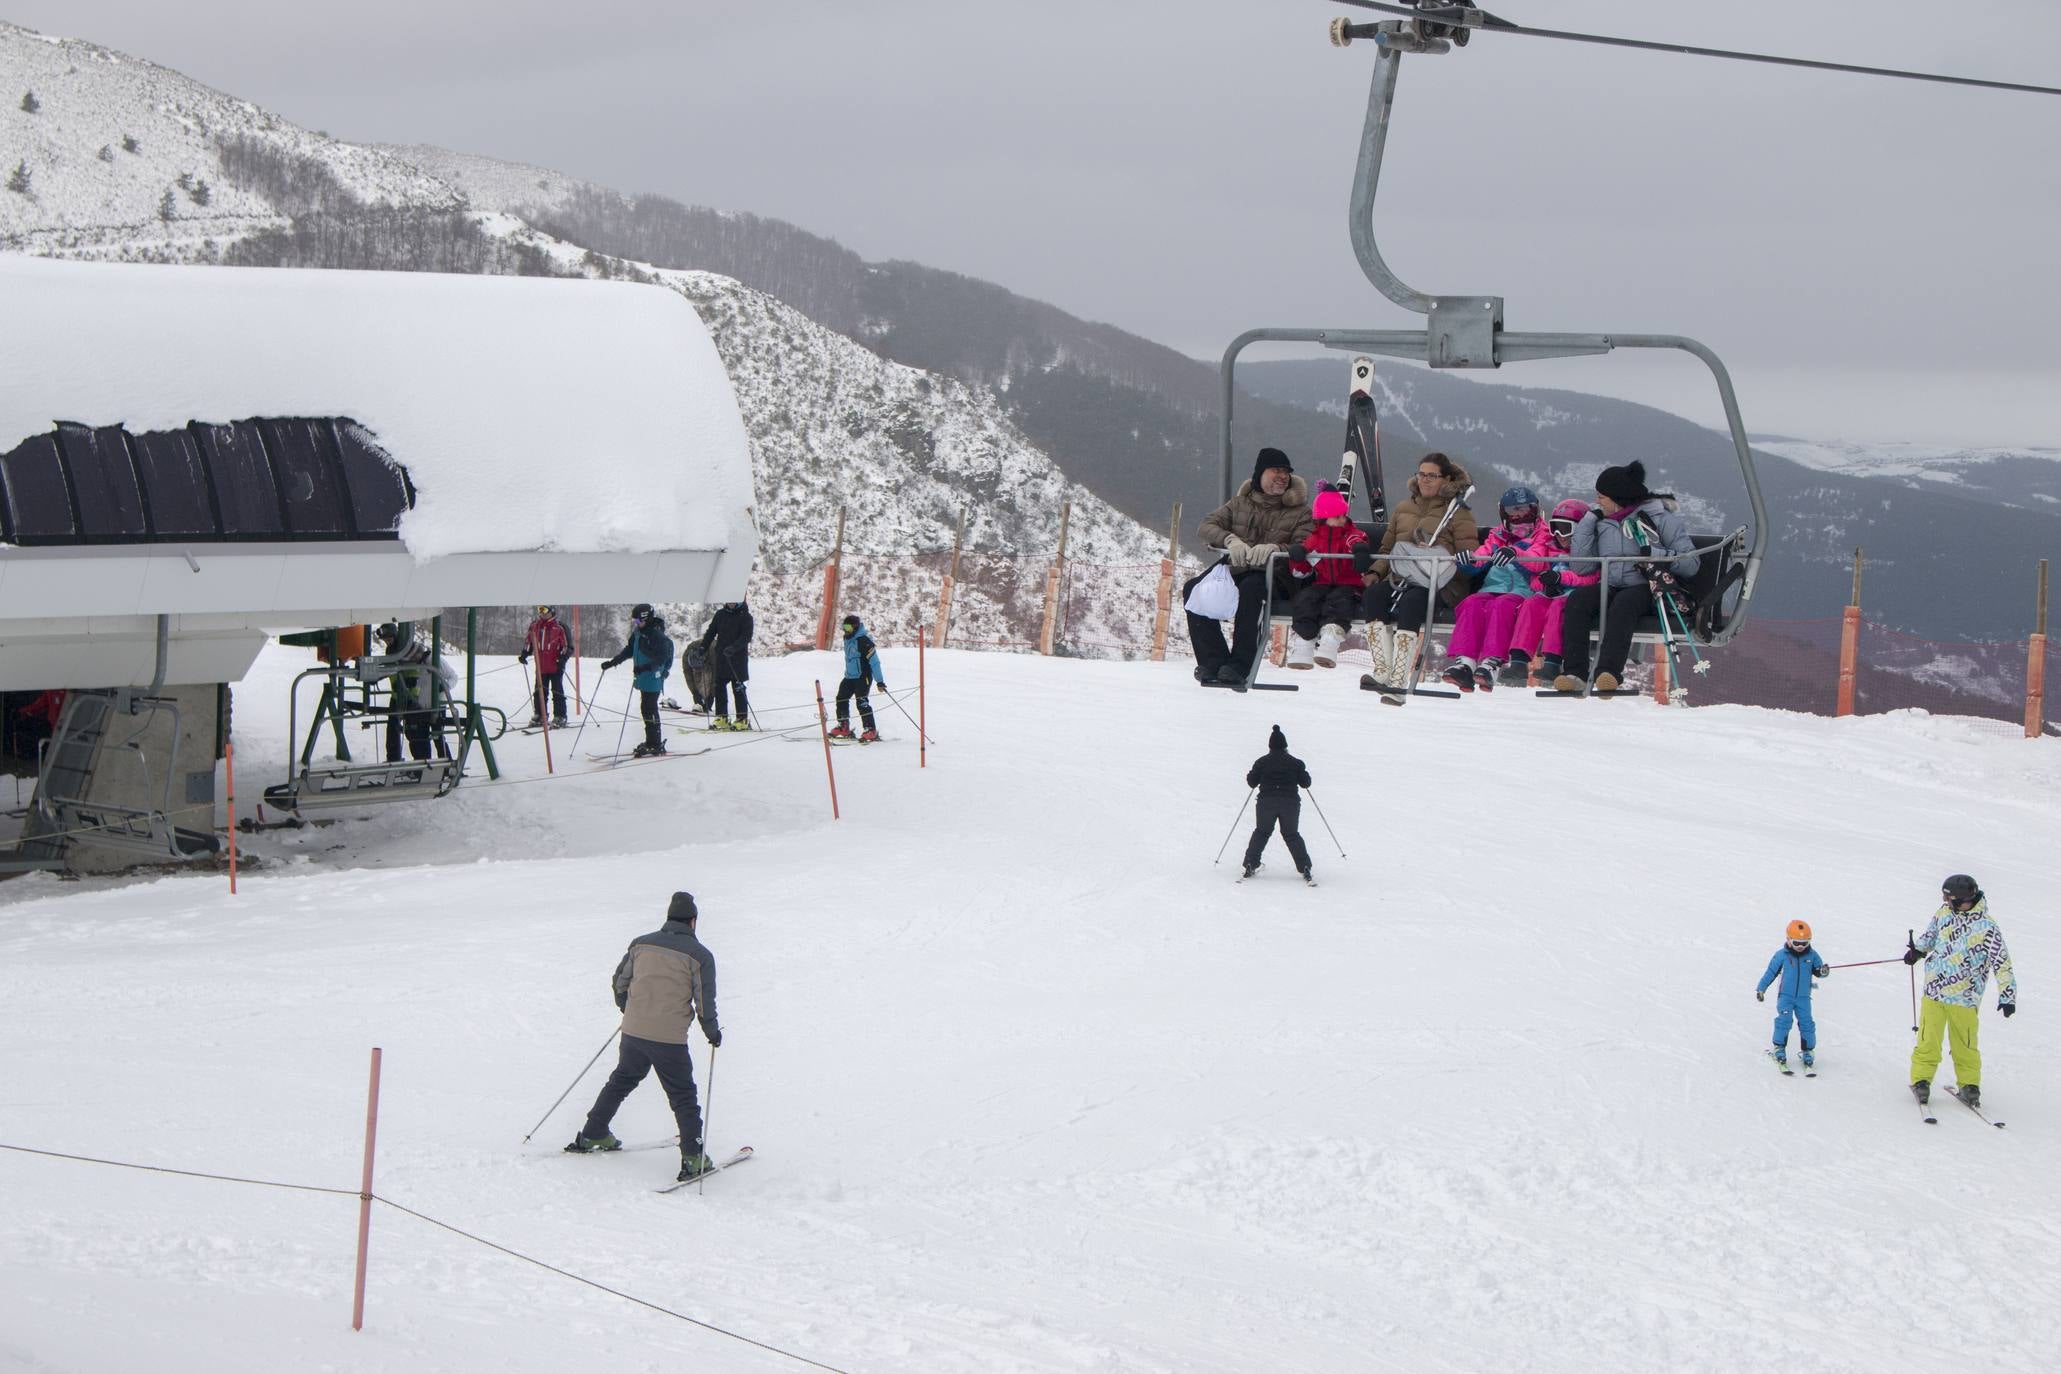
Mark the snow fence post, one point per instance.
(365, 1195)
(229, 760)
(944, 596)
(922, 730)
(1163, 598)
(1660, 677)
(828, 616)
(823, 725)
(1052, 575)
(2036, 665)
(1849, 642)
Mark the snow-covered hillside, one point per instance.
(2026, 477)
(110, 136)
(1033, 1085)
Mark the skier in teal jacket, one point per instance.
(1794, 966)
(862, 672)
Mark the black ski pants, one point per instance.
(1628, 605)
(725, 685)
(1318, 605)
(1285, 811)
(1207, 636)
(647, 705)
(1383, 604)
(846, 690)
(675, 1072)
(555, 683)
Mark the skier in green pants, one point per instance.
(1961, 948)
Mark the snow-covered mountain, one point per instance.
(832, 423)
(2024, 477)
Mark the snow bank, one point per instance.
(568, 416)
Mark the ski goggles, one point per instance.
(1561, 526)
(1526, 514)
(1799, 945)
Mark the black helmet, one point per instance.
(640, 610)
(1959, 887)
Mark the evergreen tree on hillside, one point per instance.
(30, 103)
(199, 192)
(18, 179)
(106, 153)
(167, 206)
(130, 145)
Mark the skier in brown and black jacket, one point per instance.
(665, 982)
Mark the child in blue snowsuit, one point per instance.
(1795, 965)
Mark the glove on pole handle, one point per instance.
(1234, 828)
(574, 1084)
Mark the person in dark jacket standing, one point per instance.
(861, 672)
(664, 984)
(548, 640)
(1278, 774)
(727, 641)
(652, 653)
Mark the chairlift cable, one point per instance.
(1486, 23)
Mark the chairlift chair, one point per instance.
(1468, 332)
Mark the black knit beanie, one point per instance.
(1269, 458)
(1277, 740)
(1625, 485)
(682, 908)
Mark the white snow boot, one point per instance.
(1327, 645)
(1405, 657)
(1381, 644)
(1301, 652)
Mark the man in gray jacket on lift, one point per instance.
(665, 982)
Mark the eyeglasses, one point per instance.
(1433, 476)
(1563, 528)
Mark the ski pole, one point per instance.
(527, 686)
(708, 1113)
(1327, 823)
(627, 702)
(585, 713)
(574, 1084)
(927, 739)
(1911, 940)
(1234, 828)
(1866, 963)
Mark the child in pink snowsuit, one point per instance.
(1509, 559)
(1538, 620)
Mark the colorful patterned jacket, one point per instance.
(1962, 949)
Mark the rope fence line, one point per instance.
(460, 1231)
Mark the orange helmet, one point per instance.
(1799, 930)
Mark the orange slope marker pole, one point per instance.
(823, 724)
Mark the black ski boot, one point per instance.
(694, 1166)
(1250, 869)
(1922, 1090)
(1970, 1093)
(1516, 671)
(1485, 676)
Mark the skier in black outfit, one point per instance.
(727, 640)
(1277, 774)
(653, 655)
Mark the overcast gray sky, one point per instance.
(1875, 259)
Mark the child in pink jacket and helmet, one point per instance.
(1508, 562)
(1538, 620)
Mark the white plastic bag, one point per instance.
(1216, 596)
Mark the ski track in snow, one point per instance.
(1033, 1085)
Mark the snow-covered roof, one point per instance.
(530, 414)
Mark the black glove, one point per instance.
(1761, 995)
(881, 683)
(2010, 1009)
(523, 657)
(1550, 584)
(1821, 971)
(1363, 557)
(1912, 956)
(1502, 556)
(1299, 551)
(715, 1038)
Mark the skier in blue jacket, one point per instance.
(861, 672)
(652, 655)
(1795, 965)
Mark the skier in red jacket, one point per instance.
(548, 640)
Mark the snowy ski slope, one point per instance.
(1033, 1085)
